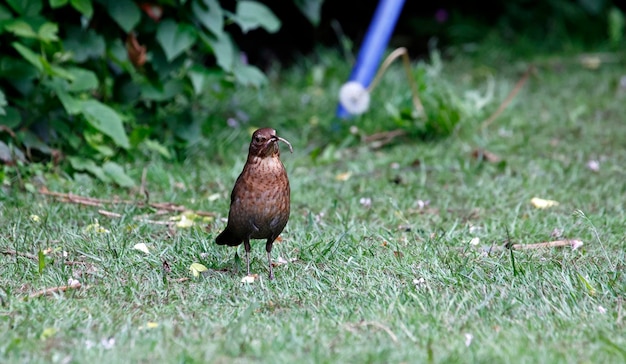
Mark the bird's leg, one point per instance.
(246, 245)
(268, 248)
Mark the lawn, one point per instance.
(392, 254)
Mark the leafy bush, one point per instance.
(88, 78)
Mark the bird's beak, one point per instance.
(276, 138)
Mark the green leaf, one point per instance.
(57, 3)
(82, 164)
(170, 89)
(41, 258)
(16, 69)
(117, 174)
(21, 29)
(32, 57)
(125, 13)
(28, 8)
(97, 141)
(251, 15)
(11, 118)
(83, 80)
(3, 103)
(53, 70)
(210, 14)
(201, 76)
(616, 24)
(48, 32)
(223, 49)
(32, 141)
(83, 6)
(155, 146)
(5, 16)
(71, 105)
(106, 120)
(249, 75)
(84, 44)
(175, 38)
(311, 9)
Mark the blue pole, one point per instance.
(374, 44)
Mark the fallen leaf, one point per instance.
(152, 325)
(141, 247)
(136, 52)
(249, 279)
(485, 155)
(197, 268)
(154, 11)
(96, 227)
(184, 222)
(591, 62)
(279, 261)
(48, 332)
(541, 203)
(343, 176)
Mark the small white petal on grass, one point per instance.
(541, 203)
(249, 279)
(365, 201)
(35, 218)
(475, 241)
(197, 268)
(468, 339)
(473, 229)
(594, 165)
(73, 282)
(601, 309)
(108, 343)
(421, 204)
(576, 244)
(214, 197)
(142, 247)
(419, 282)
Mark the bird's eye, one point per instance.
(257, 139)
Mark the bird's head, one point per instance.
(265, 143)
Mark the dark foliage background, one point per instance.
(84, 83)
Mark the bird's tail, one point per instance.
(227, 237)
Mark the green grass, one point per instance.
(391, 282)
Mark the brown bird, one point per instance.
(259, 203)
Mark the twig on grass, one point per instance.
(19, 254)
(352, 328)
(573, 243)
(50, 291)
(92, 201)
(509, 98)
(109, 213)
